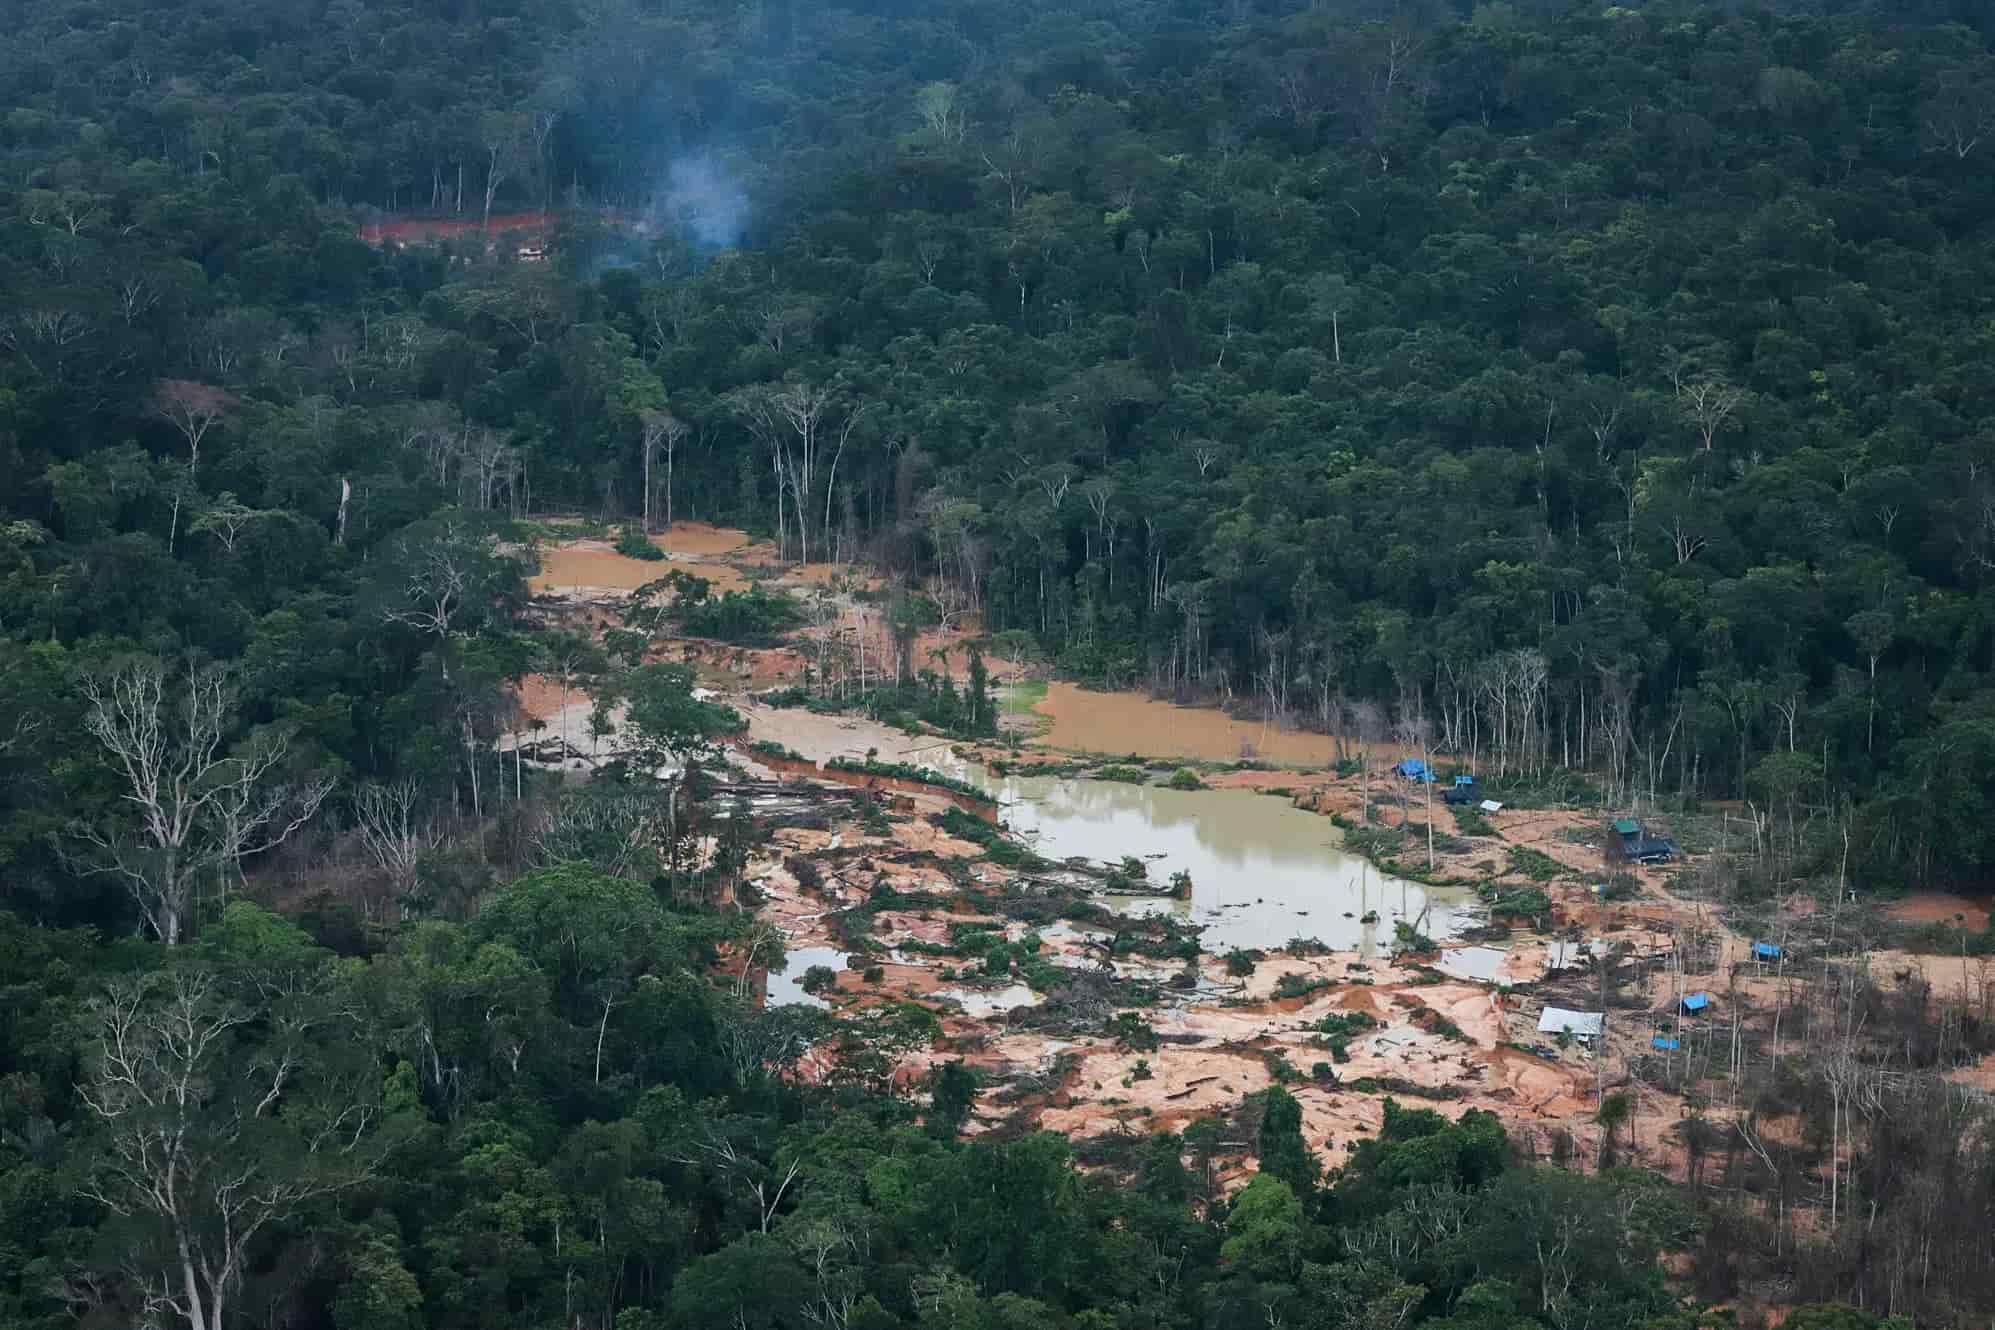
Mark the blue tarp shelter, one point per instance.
(1414, 769)
(1765, 951)
(1696, 1002)
(1667, 1043)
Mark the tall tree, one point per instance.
(193, 807)
(220, 1112)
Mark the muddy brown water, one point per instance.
(1091, 722)
(1262, 872)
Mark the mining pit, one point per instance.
(1118, 1002)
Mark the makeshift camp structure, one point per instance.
(1765, 951)
(1694, 1003)
(1639, 847)
(1414, 769)
(1585, 1025)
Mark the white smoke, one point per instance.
(701, 196)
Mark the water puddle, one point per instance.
(1262, 871)
(983, 1004)
(1481, 964)
(786, 989)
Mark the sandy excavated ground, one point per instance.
(1091, 722)
(1452, 1045)
(1452, 1038)
(1939, 907)
(587, 569)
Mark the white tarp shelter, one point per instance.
(1582, 1024)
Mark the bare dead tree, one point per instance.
(226, 519)
(613, 830)
(661, 430)
(1961, 114)
(940, 108)
(851, 422)
(780, 319)
(494, 465)
(1013, 162)
(434, 588)
(791, 420)
(397, 829)
(503, 137)
(766, 1185)
(192, 1143)
(1709, 403)
(929, 251)
(194, 809)
(541, 130)
(45, 338)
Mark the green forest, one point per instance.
(1567, 387)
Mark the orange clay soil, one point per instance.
(1451, 1045)
(1939, 907)
(1239, 1047)
(593, 565)
(700, 538)
(1090, 722)
(542, 697)
(587, 564)
(1230, 1038)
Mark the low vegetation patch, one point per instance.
(1527, 902)
(1535, 864)
(1300, 985)
(633, 544)
(1401, 1086)
(909, 772)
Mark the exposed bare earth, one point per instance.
(1451, 1043)
(584, 566)
(1939, 907)
(1091, 722)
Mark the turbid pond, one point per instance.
(786, 985)
(1262, 871)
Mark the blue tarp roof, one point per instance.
(1765, 950)
(1664, 1042)
(1697, 1002)
(1414, 769)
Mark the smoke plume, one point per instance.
(703, 198)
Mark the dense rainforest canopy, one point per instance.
(1592, 385)
(1571, 385)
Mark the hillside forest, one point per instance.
(1591, 391)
